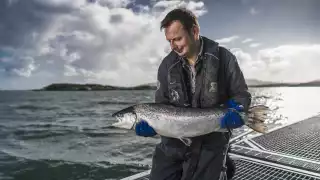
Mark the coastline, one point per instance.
(151, 86)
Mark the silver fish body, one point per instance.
(179, 122)
(182, 122)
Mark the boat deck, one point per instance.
(290, 152)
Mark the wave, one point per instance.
(40, 134)
(115, 102)
(47, 130)
(25, 167)
(35, 107)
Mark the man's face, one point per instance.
(180, 40)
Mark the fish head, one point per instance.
(127, 118)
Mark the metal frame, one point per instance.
(137, 176)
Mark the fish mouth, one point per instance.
(126, 121)
(126, 118)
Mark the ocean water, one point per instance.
(67, 135)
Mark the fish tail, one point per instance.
(256, 118)
(258, 113)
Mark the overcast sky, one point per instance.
(118, 42)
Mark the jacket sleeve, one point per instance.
(237, 88)
(161, 94)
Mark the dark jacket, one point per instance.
(218, 78)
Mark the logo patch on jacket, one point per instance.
(213, 87)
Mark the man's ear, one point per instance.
(196, 31)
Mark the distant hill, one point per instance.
(278, 84)
(253, 82)
(152, 86)
(91, 87)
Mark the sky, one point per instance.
(118, 42)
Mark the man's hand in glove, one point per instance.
(232, 119)
(143, 129)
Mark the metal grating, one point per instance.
(300, 139)
(277, 158)
(250, 170)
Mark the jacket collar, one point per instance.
(208, 46)
(184, 61)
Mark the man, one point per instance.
(196, 73)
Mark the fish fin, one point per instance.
(258, 127)
(186, 141)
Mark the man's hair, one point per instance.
(186, 17)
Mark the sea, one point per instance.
(67, 135)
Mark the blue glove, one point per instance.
(232, 104)
(143, 129)
(232, 119)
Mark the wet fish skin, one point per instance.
(184, 122)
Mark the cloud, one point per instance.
(247, 63)
(247, 40)
(108, 41)
(288, 63)
(198, 7)
(253, 11)
(293, 62)
(227, 40)
(242, 57)
(253, 45)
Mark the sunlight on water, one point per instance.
(290, 104)
(299, 104)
